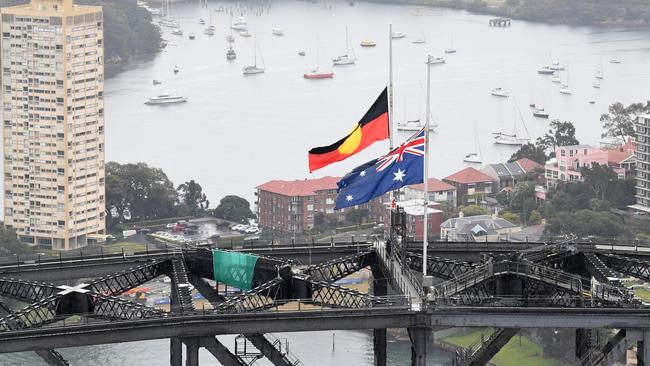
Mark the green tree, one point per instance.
(559, 134)
(9, 243)
(587, 223)
(128, 28)
(473, 210)
(139, 192)
(599, 178)
(233, 208)
(535, 153)
(618, 122)
(510, 216)
(192, 196)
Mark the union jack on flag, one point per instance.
(401, 167)
(414, 145)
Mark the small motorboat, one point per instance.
(397, 35)
(615, 60)
(368, 43)
(192, 36)
(450, 50)
(540, 112)
(201, 21)
(156, 82)
(595, 85)
(177, 32)
(176, 70)
(499, 92)
(437, 60)
(565, 90)
(245, 34)
(531, 104)
(472, 158)
(419, 40)
(592, 101)
(277, 32)
(546, 71)
(301, 53)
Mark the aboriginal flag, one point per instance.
(372, 127)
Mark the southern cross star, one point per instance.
(349, 197)
(400, 175)
(363, 174)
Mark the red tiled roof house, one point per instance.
(471, 185)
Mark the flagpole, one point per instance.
(390, 86)
(390, 95)
(425, 240)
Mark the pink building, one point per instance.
(569, 160)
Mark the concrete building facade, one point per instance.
(52, 55)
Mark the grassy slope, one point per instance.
(529, 353)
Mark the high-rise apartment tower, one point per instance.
(52, 56)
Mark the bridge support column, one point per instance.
(175, 352)
(583, 342)
(420, 341)
(192, 358)
(643, 348)
(380, 288)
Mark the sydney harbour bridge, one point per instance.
(72, 302)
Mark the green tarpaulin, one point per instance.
(234, 269)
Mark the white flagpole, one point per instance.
(390, 95)
(425, 240)
(390, 86)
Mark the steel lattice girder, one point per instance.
(109, 307)
(437, 266)
(338, 268)
(630, 266)
(26, 291)
(333, 296)
(35, 315)
(121, 282)
(260, 298)
(483, 352)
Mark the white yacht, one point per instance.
(615, 60)
(556, 78)
(556, 66)
(546, 71)
(230, 38)
(508, 139)
(596, 85)
(177, 32)
(209, 30)
(540, 112)
(499, 92)
(201, 21)
(253, 69)
(166, 98)
(599, 74)
(565, 90)
(277, 32)
(348, 58)
(397, 35)
(419, 40)
(245, 34)
(414, 125)
(437, 60)
(474, 157)
(239, 27)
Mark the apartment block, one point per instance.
(643, 164)
(52, 55)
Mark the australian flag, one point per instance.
(401, 167)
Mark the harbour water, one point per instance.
(312, 348)
(238, 131)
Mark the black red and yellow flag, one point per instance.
(372, 127)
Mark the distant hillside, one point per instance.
(594, 12)
(128, 30)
